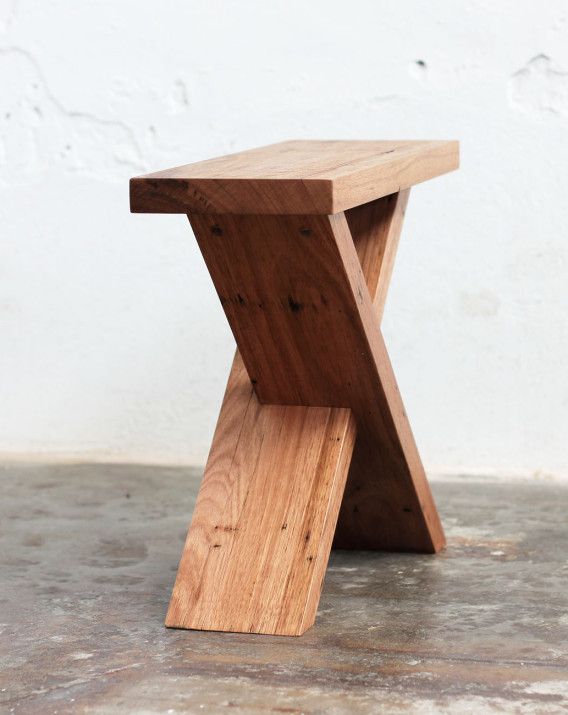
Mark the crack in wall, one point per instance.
(38, 131)
(10, 15)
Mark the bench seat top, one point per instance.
(294, 177)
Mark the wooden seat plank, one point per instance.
(294, 177)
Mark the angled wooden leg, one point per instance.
(298, 292)
(375, 228)
(387, 504)
(259, 541)
(389, 508)
(296, 298)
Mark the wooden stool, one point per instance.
(312, 444)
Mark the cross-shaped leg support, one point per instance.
(312, 440)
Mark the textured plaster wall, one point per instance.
(113, 344)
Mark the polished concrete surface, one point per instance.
(88, 555)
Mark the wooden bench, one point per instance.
(313, 444)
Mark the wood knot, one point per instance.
(295, 307)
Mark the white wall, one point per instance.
(113, 343)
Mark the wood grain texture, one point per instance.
(375, 228)
(261, 533)
(370, 517)
(297, 301)
(294, 177)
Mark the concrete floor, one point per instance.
(87, 560)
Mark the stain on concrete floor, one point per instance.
(88, 555)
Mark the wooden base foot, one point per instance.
(261, 533)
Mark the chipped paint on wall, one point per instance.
(540, 87)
